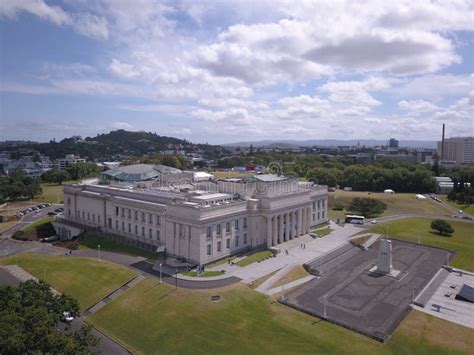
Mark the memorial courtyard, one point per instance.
(350, 295)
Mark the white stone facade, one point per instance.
(204, 223)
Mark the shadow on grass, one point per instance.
(440, 234)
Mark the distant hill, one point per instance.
(120, 142)
(334, 143)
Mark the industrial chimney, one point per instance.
(442, 144)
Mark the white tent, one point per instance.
(202, 176)
(389, 191)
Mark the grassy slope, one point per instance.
(468, 209)
(252, 258)
(462, 240)
(53, 193)
(296, 273)
(91, 240)
(396, 203)
(32, 226)
(246, 322)
(85, 279)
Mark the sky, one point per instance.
(231, 71)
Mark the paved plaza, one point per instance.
(349, 295)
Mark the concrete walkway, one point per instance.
(23, 275)
(296, 255)
(112, 295)
(289, 285)
(274, 278)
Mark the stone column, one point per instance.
(275, 230)
(291, 218)
(308, 219)
(269, 232)
(280, 229)
(303, 220)
(300, 222)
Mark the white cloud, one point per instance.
(11, 9)
(91, 26)
(417, 107)
(121, 125)
(122, 69)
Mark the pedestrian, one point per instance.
(286, 251)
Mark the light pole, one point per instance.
(321, 267)
(98, 248)
(160, 275)
(325, 313)
(176, 277)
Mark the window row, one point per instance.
(142, 231)
(227, 244)
(87, 216)
(227, 227)
(144, 217)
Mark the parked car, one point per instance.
(50, 239)
(460, 211)
(59, 210)
(374, 221)
(67, 317)
(467, 217)
(51, 214)
(19, 214)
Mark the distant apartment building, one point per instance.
(69, 160)
(393, 143)
(459, 150)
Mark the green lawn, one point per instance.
(252, 258)
(34, 225)
(205, 274)
(462, 240)
(396, 203)
(53, 193)
(87, 280)
(150, 318)
(90, 240)
(322, 232)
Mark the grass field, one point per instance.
(252, 258)
(462, 239)
(34, 225)
(396, 203)
(87, 280)
(228, 174)
(53, 193)
(295, 274)
(7, 225)
(92, 240)
(150, 318)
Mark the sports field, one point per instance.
(412, 229)
(53, 193)
(150, 318)
(87, 280)
(396, 203)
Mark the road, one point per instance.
(28, 219)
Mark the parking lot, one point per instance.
(350, 296)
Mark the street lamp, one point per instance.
(176, 277)
(160, 275)
(98, 248)
(325, 299)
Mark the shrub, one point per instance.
(442, 227)
(338, 206)
(368, 207)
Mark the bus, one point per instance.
(354, 219)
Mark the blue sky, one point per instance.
(228, 71)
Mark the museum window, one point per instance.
(93, 218)
(151, 233)
(218, 246)
(79, 213)
(322, 214)
(318, 215)
(98, 219)
(218, 229)
(123, 212)
(227, 227)
(129, 228)
(237, 241)
(227, 243)
(314, 216)
(157, 235)
(88, 216)
(116, 225)
(319, 203)
(143, 217)
(116, 210)
(110, 222)
(245, 238)
(69, 201)
(236, 224)
(129, 213)
(245, 222)
(123, 226)
(209, 231)
(209, 249)
(136, 215)
(158, 221)
(83, 215)
(136, 229)
(143, 231)
(150, 218)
